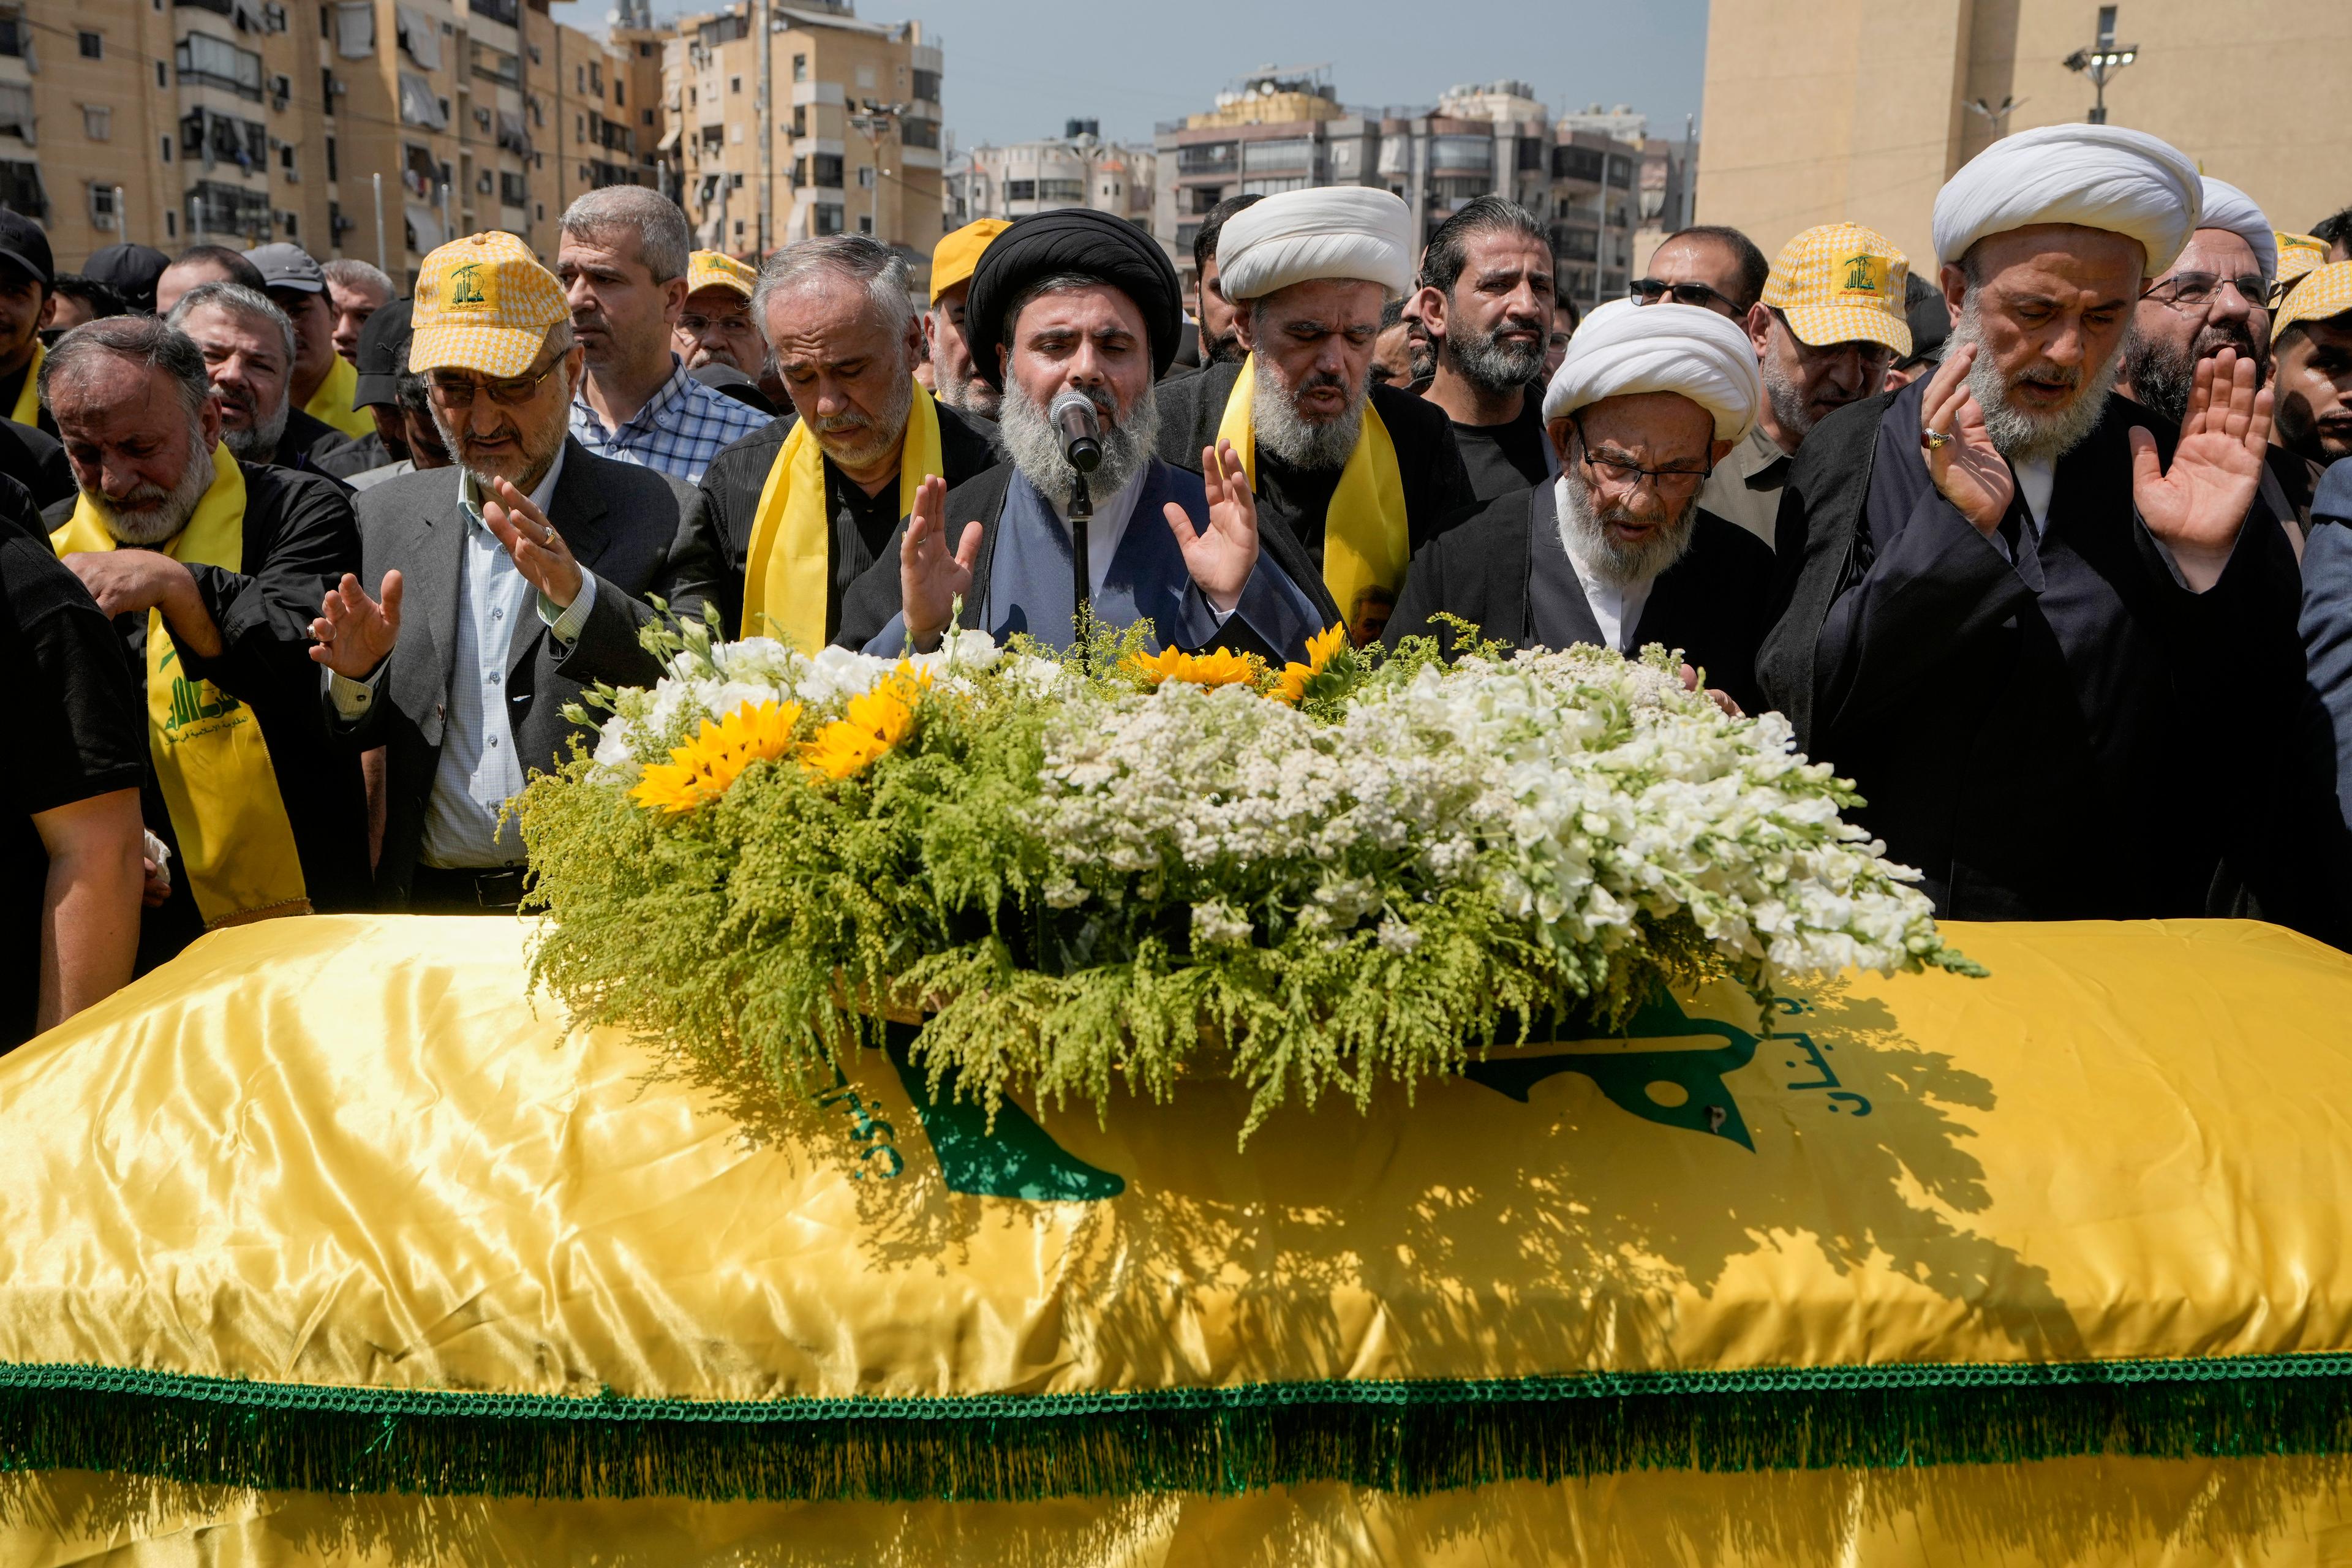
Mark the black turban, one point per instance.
(1072, 240)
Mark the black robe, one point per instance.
(1437, 489)
(1504, 569)
(2072, 736)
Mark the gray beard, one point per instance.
(1277, 427)
(154, 524)
(2017, 435)
(1491, 365)
(1583, 535)
(1034, 447)
(971, 396)
(1787, 398)
(257, 443)
(853, 441)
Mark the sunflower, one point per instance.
(1216, 668)
(874, 721)
(1290, 686)
(703, 768)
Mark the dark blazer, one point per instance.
(875, 598)
(621, 522)
(1714, 604)
(2069, 735)
(713, 558)
(34, 460)
(299, 540)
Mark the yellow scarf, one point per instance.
(236, 843)
(331, 404)
(1366, 542)
(29, 400)
(786, 571)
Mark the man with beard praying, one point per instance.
(248, 348)
(1618, 551)
(1078, 300)
(504, 587)
(2215, 296)
(2034, 622)
(211, 569)
(1829, 324)
(1360, 476)
(795, 514)
(1486, 293)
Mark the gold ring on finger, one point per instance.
(1934, 440)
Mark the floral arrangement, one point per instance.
(1118, 864)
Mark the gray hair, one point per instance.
(149, 343)
(237, 300)
(353, 274)
(883, 271)
(664, 241)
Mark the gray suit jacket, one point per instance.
(621, 522)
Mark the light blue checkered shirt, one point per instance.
(678, 431)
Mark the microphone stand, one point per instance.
(1082, 513)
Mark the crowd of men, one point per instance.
(301, 578)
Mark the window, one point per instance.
(20, 188)
(826, 218)
(800, 67)
(511, 190)
(286, 162)
(170, 226)
(16, 109)
(167, 142)
(1461, 153)
(865, 222)
(93, 46)
(1061, 190)
(1273, 183)
(864, 176)
(160, 84)
(620, 96)
(496, 66)
(927, 86)
(1576, 164)
(2106, 27)
(1020, 190)
(1290, 155)
(14, 33)
(827, 170)
(1208, 158)
(288, 219)
(215, 208)
(734, 84)
(648, 116)
(505, 11)
(218, 63)
(800, 118)
(101, 207)
(331, 175)
(919, 133)
(219, 138)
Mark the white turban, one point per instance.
(1298, 236)
(2226, 206)
(1683, 349)
(2096, 176)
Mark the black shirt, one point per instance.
(12, 387)
(1506, 457)
(36, 461)
(76, 730)
(862, 527)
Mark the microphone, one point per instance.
(1078, 422)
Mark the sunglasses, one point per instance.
(1650, 291)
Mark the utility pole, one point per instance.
(2099, 64)
(377, 181)
(874, 122)
(763, 120)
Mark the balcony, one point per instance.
(506, 11)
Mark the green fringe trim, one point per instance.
(1396, 1436)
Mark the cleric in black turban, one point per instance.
(1071, 241)
(1077, 301)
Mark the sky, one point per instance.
(1017, 71)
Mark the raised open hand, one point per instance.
(1969, 470)
(355, 632)
(931, 580)
(1222, 557)
(2198, 506)
(539, 554)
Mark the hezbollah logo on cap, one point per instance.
(470, 287)
(1865, 274)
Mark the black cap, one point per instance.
(23, 242)
(382, 355)
(1931, 322)
(131, 271)
(1080, 241)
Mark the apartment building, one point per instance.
(236, 121)
(852, 138)
(1279, 130)
(1076, 168)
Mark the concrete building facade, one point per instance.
(1077, 169)
(854, 131)
(1818, 111)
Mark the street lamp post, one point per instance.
(2099, 64)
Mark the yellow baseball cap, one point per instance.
(2322, 294)
(954, 258)
(2297, 254)
(1841, 283)
(483, 303)
(716, 270)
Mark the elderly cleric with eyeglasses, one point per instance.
(1616, 550)
(503, 585)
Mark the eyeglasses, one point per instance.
(2195, 290)
(1650, 290)
(454, 391)
(1671, 484)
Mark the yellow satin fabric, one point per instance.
(787, 567)
(236, 847)
(348, 1149)
(28, 396)
(1367, 537)
(332, 402)
(2255, 1512)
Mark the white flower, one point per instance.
(1215, 924)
